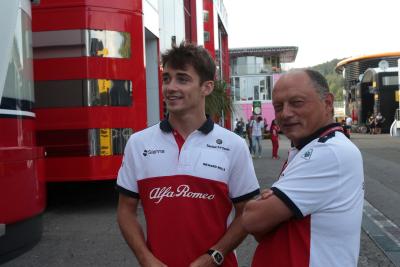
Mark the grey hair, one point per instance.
(318, 81)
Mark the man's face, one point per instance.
(182, 90)
(299, 109)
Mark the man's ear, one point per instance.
(329, 99)
(207, 87)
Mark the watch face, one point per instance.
(218, 257)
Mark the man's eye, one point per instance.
(182, 80)
(297, 103)
(278, 108)
(165, 79)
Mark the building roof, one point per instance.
(340, 65)
(286, 54)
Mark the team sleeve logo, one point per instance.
(307, 154)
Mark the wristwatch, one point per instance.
(217, 256)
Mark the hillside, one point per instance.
(335, 81)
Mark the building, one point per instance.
(95, 81)
(97, 74)
(254, 71)
(371, 87)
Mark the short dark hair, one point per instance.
(319, 81)
(179, 57)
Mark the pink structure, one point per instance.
(254, 72)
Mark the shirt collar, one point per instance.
(206, 128)
(303, 142)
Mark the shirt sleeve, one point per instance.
(243, 183)
(127, 180)
(311, 181)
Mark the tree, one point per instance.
(335, 81)
(219, 102)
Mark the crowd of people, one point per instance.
(374, 123)
(255, 130)
(199, 192)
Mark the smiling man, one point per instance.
(312, 215)
(189, 174)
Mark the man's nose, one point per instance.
(170, 86)
(286, 111)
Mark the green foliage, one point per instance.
(335, 81)
(219, 102)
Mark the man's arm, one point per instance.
(262, 215)
(133, 233)
(229, 241)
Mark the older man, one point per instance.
(312, 215)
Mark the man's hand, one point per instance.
(153, 262)
(266, 193)
(204, 260)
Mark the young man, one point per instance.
(312, 214)
(188, 172)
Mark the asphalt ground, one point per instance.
(80, 227)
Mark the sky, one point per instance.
(321, 29)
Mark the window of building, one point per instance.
(81, 42)
(83, 93)
(206, 36)
(206, 15)
(250, 88)
(237, 88)
(190, 16)
(390, 80)
(251, 65)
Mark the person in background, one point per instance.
(372, 124)
(235, 124)
(349, 122)
(274, 131)
(240, 127)
(265, 125)
(257, 129)
(379, 119)
(189, 174)
(249, 134)
(311, 216)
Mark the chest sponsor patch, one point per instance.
(158, 194)
(148, 152)
(213, 166)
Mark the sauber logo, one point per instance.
(147, 152)
(307, 154)
(159, 193)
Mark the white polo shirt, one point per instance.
(187, 187)
(257, 128)
(323, 184)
